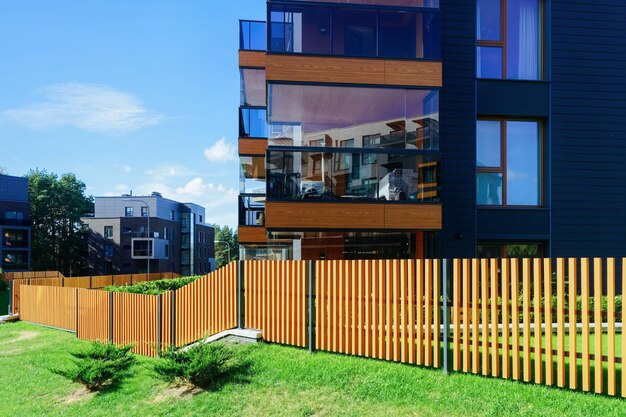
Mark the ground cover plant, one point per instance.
(283, 381)
(154, 287)
(100, 365)
(204, 365)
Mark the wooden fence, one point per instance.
(544, 321)
(87, 282)
(204, 307)
(9, 276)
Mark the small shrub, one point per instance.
(101, 365)
(153, 287)
(204, 365)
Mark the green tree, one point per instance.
(58, 235)
(228, 235)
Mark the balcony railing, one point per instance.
(252, 35)
(253, 123)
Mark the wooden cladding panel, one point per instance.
(50, 306)
(419, 73)
(252, 59)
(353, 70)
(306, 215)
(252, 234)
(252, 146)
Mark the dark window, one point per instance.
(508, 163)
(200, 219)
(144, 211)
(108, 250)
(511, 29)
(108, 232)
(127, 230)
(172, 215)
(128, 211)
(252, 123)
(487, 249)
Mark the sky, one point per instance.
(137, 95)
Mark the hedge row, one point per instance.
(154, 287)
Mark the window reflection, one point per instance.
(321, 175)
(303, 115)
(354, 32)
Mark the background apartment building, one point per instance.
(128, 232)
(419, 128)
(14, 224)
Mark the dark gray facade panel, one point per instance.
(589, 128)
(512, 224)
(513, 98)
(458, 127)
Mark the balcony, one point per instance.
(351, 31)
(252, 35)
(253, 122)
(149, 248)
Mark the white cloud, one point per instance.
(126, 169)
(164, 172)
(87, 107)
(221, 151)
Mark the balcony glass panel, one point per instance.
(354, 32)
(252, 174)
(489, 189)
(252, 210)
(308, 115)
(489, 62)
(396, 3)
(252, 91)
(343, 175)
(252, 35)
(523, 169)
(523, 36)
(252, 123)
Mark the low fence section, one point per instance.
(557, 322)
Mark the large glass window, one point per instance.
(303, 115)
(508, 163)
(487, 249)
(311, 175)
(252, 210)
(354, 31)
(15, 238)
(509, 39)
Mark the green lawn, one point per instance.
(4, 302)
(284, 381)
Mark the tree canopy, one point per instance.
(58, 235)
(228, 235)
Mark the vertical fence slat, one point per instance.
(437, 293)
(428, 316)
(484, 301)
(597, 331)
(466, 315)
(538, 319)
(411, 306)
(475, 316)
(547, 281)
(495, 352)
(526, 318)
(560, 320)
(610, 314)
(515, 370)
(396, 318)
(388, 308)
(572, 278)
(419, 288)
(360, 317)
(584, 293)
(456, 315)
(506, 293)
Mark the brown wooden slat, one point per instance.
(572, 278)
(538, 319)
(560, 319)
(610, 293)
(584, 292)
(526, 318)
(597, 331)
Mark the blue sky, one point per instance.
(135, 95)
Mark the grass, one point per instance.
(4, 302)
(284, 381)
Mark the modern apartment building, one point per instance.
(14, 224)
(133, 234)
(433, 128)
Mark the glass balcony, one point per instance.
(15, 239)
(252, 210)
(353, 175)
(252, 35)
(253, 122)
(356, 32)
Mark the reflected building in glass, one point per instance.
(425, 128)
